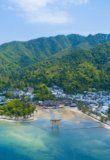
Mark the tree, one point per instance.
(102, 118)
(74, 101)
(8, 94)
(16, 108)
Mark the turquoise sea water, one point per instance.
(37, 141)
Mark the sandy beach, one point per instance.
(75, 110)
(73, 113)
(68, 113)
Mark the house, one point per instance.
(56, 87)
(8, 100)
(30, 90)
(15, 93)
(68, 103)
(38, 103)
(79, 97)
(73, 105)
(21, 93)
(103, 109)
(31, 96)
(49, 104)
(9, 89)
(93, 107)
(2, 103)
(94, 89)
(2, 98)
(60, 104)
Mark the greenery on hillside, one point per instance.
(16, 55)
(42, 93)
(17, 109)
(76, 71)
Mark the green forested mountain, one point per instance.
(15, 55)
(74, 71)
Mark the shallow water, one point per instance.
(37, 141)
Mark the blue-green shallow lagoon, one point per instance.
(37, 141)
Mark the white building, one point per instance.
(103, 109)
(31, 96)
(2, 98)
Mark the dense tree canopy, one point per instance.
(43, 93)
(16, 108)
(74, 70)
(15, 55)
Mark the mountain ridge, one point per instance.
(75, 71)
(15, 55)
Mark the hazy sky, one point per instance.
(29, 19)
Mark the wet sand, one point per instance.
(73, 113)
(67, 113)
(85, 116)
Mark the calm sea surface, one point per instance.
(37, 141)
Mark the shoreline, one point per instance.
(76, 110)
(34, 117)
(18, 120)
(44, 113)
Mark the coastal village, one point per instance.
(95, 104)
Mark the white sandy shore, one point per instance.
(75, 110)
(34, 117)
(65, 113)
